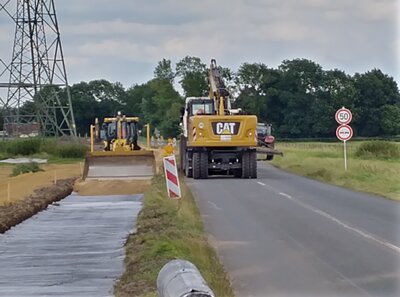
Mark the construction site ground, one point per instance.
(13, 189)
(24, 195)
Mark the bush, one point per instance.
(3, 146)
(49, 146)
(24, 147)
(71, 151)
(25, 168)
(379, 149)
(33, 146)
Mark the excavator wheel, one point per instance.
(246, 165)
(253, 164)
(187, 169)
(237, 173)
(196, 165)
(204, 165)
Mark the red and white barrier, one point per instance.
(171, 177)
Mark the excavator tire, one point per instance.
(246, 165)
(188, 170)
(204, 165)
(237, 173)
(196, 165)
(253, 164)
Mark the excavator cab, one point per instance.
(201, 107)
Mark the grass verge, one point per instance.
(168, 230)
(42, 146)
(324, 162)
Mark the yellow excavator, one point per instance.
(216, 139)
(120, 157)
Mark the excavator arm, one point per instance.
(218, 91)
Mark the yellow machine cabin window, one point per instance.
(203, 108)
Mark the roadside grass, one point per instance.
(373, 173)
(168, 230)
(55, 151)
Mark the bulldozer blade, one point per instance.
(122, 167)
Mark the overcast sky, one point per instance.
(122, 40)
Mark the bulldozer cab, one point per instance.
(120, 133)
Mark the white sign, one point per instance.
(343, 116)
(344, 132)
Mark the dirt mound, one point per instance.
(15, 213)
(110, 187)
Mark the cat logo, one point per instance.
(226, 128)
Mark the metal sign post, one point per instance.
(345, 155)
(344, 132)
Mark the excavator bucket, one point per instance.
(133, 165)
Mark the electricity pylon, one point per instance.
(37, 86)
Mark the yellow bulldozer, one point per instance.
(120, 156)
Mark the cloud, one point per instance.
(123, 40)
(379, 10)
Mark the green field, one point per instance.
(376, 172)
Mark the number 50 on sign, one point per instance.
(343, 116)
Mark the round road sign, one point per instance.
(343, 116)
(344, 132)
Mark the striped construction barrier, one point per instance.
(171, 177)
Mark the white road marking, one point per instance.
(343, 224)
(213, 205)
(285, 195)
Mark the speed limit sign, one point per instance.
(343, 116)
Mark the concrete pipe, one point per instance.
(180, 278)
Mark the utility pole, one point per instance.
(37, 85)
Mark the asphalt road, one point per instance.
(285, 235)
(74, 248)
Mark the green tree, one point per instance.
(96, 99)
(160, 104)
(193, 76)
(300, 85)
(250, 80)
(374, 90)
(390, 123)
(336, 90)
(164, 71)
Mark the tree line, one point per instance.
(299, 97)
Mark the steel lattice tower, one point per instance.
(37, 88)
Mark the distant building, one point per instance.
(22, 129)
